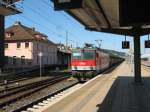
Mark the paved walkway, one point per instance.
(110, 92)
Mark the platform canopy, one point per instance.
(7, 7)
(112, 16)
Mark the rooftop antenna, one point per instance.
(88, 45)
(66, 40)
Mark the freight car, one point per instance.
(88, 62)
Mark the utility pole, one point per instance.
(99, 41)
(66, 39)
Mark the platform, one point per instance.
(109, 92)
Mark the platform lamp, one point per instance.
(147, 43)
(40, 56)
(125, 44)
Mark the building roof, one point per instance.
(23, 33)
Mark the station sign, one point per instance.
(147, 44)
(67, 4)
(125, 45)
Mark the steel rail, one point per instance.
(23, 93)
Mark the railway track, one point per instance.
(13, 95)
(14, 81)
(14, 90)
(20, 84)
(41, 99)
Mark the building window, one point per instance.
(18, 45)
(22, 60)
(6, 45)
(46, 48)
(9, 34)
(6, 59)
(47, 59)
(37, 46)
(41, 48)
(37, 59)
(26, 45)
(29, 63)
(14, 60)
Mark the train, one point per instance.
(88, 62)
(145, 60)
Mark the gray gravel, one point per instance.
(38, 95)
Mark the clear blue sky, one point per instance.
(41, 15)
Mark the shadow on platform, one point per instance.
(125, 96)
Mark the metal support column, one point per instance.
(2, 30)
(137, 59)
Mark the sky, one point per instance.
(58, 24)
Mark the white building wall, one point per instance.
(48, 50)
(12, 50)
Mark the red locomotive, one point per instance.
(87, 62)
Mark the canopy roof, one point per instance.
(112, 16)
(7, 7)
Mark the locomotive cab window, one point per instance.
(76, 55)
(88, 54)
(84, 54)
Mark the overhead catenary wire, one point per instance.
(33, 21)
(60, 26)
(49, 4)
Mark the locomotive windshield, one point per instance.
(76, 55)
(88, 54)
(84, 54)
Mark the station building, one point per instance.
(23, 45)
(63, 55)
